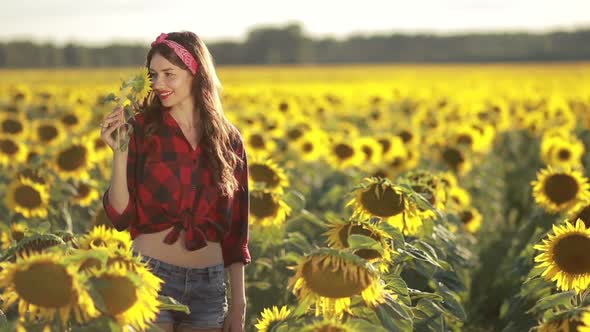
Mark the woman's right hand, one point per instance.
(109, 126)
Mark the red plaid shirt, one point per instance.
(170, 185)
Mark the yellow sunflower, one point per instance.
(562, 150)
(11, 151)
(141, 84)
(380, 198)
(459, 198)
(427, 184)
(329, 278)
(13, 125)
(268, 208)
(100, 150)
(311, 146)
(102, 236)
(47, 132)
(456, 158)
(271, 318)
(296, 131)
(73, 160)
(18, 230)
(266, 173)
(27, 198)
(21, 94)
(339, 232)
(564, 256)
(76, 119)
(560, 190)
(259, 143)
(46, 287)
(126, 297)
(85, 192)
(370, 148)
(471, 219)
(344, 153)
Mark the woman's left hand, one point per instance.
(236, 318)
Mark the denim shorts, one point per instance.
(202, 290)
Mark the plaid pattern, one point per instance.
(170, 186)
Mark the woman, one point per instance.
(181, 187)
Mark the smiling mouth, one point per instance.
(164, 96)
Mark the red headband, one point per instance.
(182, 53)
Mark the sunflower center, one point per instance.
(466, 216)
(389, 203)
(294, 133)
(385, 144)
(8, 147)
(263, 173)
(263, 205)
(453, 157)
(571, 254)
(31, 285)
(98, 243)
(307, 147)
(118, 293)
(465, 139)
(70, 120)
(368, 152)
(27, 197)
(72, 158)
(83, 190)
(343, 151)
(396, 162)
(12, 126)
(283, 106)
(47, 133)
(561, 188)
(257, 141)
(405, 135)
(329, 282)
(564, 154)
(99, 144)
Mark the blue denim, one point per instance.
(203, 290)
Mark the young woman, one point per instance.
(181, 187)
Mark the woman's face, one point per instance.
(171, 83)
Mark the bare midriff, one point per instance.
(153, 245)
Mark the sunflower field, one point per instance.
(383, 198)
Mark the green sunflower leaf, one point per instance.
(169, 303)
(562, 300)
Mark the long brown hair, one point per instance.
(219, 136)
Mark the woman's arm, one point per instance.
(236, 280)
(119, 199)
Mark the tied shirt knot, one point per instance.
(195, 238)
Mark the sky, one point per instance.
(105, 21)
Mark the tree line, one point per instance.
(290, 45)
